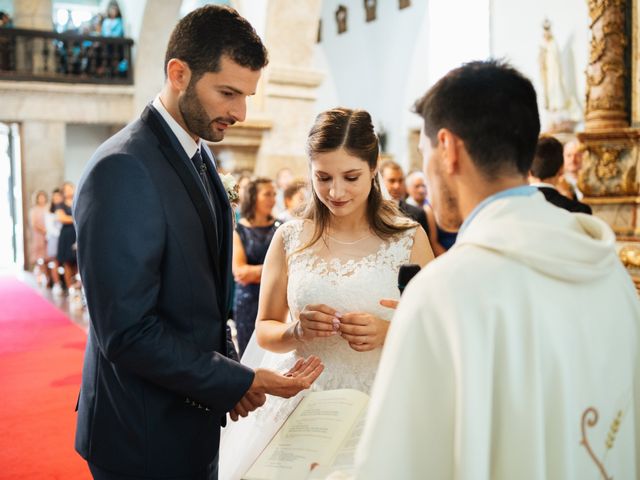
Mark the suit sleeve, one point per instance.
(121, 236)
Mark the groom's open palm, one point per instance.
(298, 378)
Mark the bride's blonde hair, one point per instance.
(353, 131)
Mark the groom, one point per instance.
(154, 248)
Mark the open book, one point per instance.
(322, 433)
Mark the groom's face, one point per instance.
(217, 100)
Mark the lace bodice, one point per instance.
(350, 277)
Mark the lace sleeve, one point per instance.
(403, 244)
(291, 235)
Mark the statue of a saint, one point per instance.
(555, 98)
(563, 110)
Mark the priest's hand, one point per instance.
(363, 331)
(286, 385)
(389, 303)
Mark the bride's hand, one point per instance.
(363, 331)
(317, 321)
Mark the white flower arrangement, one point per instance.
(231, 187)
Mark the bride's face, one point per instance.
(342, 182)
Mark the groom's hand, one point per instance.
(299, 378)
(247, 404)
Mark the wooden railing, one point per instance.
(36, 55)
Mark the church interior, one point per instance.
(66, 87)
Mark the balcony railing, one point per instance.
(36, 55)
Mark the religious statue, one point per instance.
(555, 98)
(341, 18)
(370, 9)
(558, 102)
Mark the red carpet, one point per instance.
(40, 364)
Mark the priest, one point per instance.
(516, 353)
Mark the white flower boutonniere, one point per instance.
(231, 187)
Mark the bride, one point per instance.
(324, 277)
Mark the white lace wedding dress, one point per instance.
(349, 277)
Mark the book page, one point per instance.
(311, 436)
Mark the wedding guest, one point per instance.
(154, 248)
(283, 178)
(442, 233)
(37, 214)
(416, 187)
(572, 154)
(545, 174)
(295, 197)
(325, 274)
(66, 255)
(53, 226)
(251, 240)
(393, 178)
(242, 180)
(112, 25)
(5, 20)
(506, 352)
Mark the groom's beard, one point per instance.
(196, 118)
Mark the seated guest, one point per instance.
(393, 178)
(546, 171)
(416, 189)
(516, 354)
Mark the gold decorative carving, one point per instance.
(606, 72)
(607, 163)
(630, 256)
(610, 163)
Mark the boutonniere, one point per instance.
(231, 187)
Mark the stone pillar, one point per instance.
(290, 85)
(42, 151)
(158, 21)
(33, 14)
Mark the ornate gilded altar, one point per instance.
(609, 175)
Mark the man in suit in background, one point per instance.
(546, 171)
(393, 178)
(154, 248)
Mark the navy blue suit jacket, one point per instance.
(155, 261)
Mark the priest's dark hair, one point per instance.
(351, 130)
(548, 158)
(492, 108)
(203, 36)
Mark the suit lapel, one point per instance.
(197, 194)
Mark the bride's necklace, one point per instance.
(348, 243)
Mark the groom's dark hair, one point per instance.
(208, 33)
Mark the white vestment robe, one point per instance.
(513, 356)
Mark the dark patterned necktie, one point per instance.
(201, 168)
